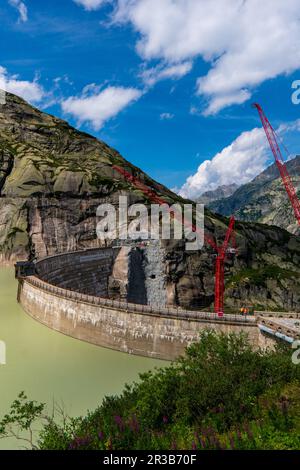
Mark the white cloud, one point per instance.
(219, 102)
(163, 72)
(241, 161)
(166, 116)
(91, 4)
(289, 127)
(96, 107)
(30, 91)
(245, 42)
(22, 9)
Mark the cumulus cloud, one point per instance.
(30, 91)
(91, 4)
(244, 42)
(241, 161)
(22, 9)
(162, 72)
(96, 107)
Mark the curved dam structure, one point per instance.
(71, 293)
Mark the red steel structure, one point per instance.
(271, 136)
(222, 251)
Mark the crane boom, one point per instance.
(220, 269)
(221, 251)
(155, 198)
(271, 136)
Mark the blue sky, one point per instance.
(168, 83)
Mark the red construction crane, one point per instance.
(222, 251)
(271, 136)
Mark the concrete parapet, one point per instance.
(68, 294)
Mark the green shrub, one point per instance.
(220, 395)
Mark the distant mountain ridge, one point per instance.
(264, 199)
(221, 192)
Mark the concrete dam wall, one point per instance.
(69, 293)
(83, 271)
(123, 273)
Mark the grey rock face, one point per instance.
(53, 178)
(264, 274)
(221, 192)
(155, 275)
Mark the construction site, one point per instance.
(140, 276)
(228, 248)
(150, 231)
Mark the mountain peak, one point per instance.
(43, 154)
(264, 199)
(220, 192)
(271, 172)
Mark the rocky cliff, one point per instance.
(265, 273)
(264, 199)
(52, 179)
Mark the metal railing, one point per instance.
(277, 314)
(166, 312)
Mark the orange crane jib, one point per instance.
(222, 251)
(288, 184)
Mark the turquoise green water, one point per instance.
(50, 366)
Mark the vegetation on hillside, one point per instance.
(220, 395)
(259, 277)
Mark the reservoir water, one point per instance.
(49, 366)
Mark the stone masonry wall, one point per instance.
(155, 278)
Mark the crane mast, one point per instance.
(271, 136)
(222, 251)
(220, 269)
